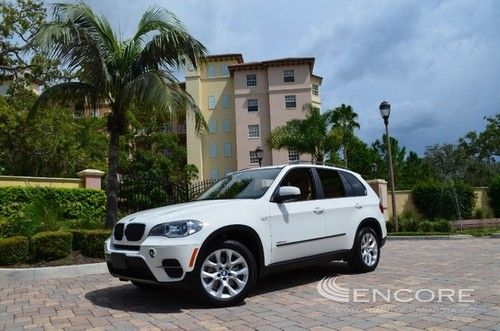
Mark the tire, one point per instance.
(145, 286)
(225, 284)
(365, 253)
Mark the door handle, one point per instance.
(318, 210)
(358, 206)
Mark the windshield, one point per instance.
(250, 184)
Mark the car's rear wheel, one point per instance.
(365, 253)
(225, 273)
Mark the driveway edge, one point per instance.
(438, 237)
(9, 274)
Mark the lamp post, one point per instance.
(259, 154)
(385, 111)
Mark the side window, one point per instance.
(332, 183)
(300, 178)
(357, 188)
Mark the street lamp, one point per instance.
(259, 154)
(385, 111)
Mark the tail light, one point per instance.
(381, 206)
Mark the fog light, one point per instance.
(152, 252)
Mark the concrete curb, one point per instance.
(438, 237)
(10, 274)
(495, 235)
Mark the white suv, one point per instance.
(250, 223)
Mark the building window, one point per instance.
(212, 126)
(253, 158)
(211, 102)
(253, 131)
(214, 174)
(227, 125)
(293, 155)
(290, 101)
(252, 80)
(225, 101)
(213, 151)
(228, 149)
(211, 70)
(224, 70)
(288, 76)
(315, 89)
(252, 104)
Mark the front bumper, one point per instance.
(151, 261)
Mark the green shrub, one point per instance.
(440, 200)
(51, 245)
(408, 225)
(481, 213)
(441, 226)
(78, 236)
(390, 226)
(494, 195)
(93, 242)
(75, 203)
(425, 226)
(13, 250)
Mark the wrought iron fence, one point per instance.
(136, 193)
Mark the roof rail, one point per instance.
(312, 162)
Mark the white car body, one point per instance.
(288, 231)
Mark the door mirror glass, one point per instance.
(287, 193)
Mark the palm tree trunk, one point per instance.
(112, 180)
(344, 149)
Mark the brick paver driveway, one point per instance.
(282, 301)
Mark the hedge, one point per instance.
(74, 203)
(48, 246)
(436, 200)
(494, 195)
(78, 236)
(14, 250)
(93, 242)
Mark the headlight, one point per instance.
(176, 229)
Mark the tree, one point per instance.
(19, 21)
(344, 120)
(55, 145)
(306, 136)
(119, 73)
(484, 145)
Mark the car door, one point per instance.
(297, 227)
(340, 209)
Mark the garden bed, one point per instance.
(75, 258)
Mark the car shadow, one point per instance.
(128, 297)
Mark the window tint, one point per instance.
(358, 189)
(332, 183)
(300, 178)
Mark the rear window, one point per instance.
(357, 188)
(332, 183)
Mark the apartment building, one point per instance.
(242, 103)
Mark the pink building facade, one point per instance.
(267, 95)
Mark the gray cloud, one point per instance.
(435, 61)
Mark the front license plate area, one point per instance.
(119, 261)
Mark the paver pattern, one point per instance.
(288, 301)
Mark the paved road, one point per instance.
(287, 301)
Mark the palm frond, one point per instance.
(66, 94)
(170, 44)
(151, 89)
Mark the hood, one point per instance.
(189, 210)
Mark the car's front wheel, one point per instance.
(365, 252)
(225, 273)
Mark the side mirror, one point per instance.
(286, 193)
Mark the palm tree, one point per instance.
(343, 119)
(119, 73)
(310, 135)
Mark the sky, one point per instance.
(436, 62)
